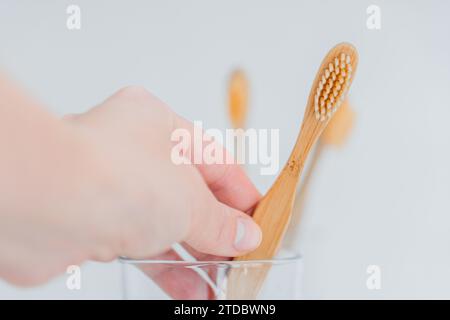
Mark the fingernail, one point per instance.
(248, 235)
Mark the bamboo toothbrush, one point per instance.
(335, 134)
(238, 93)
(274, 210)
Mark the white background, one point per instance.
(383, 199)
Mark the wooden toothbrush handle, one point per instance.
(272, 214)
(245, 283)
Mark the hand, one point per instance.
(124, 196)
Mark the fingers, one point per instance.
(228, 182)
(221, 230)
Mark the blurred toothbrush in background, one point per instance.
(238, 96)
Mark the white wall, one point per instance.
(382, 200)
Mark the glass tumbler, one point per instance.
(165, 279)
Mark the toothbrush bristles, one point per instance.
(332, 87)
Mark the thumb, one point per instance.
(220, 230)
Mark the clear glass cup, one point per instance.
(152, 279)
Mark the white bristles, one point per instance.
(332, 86)
(347, 59)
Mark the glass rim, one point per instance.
(287, 258)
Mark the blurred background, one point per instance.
(382, 199)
